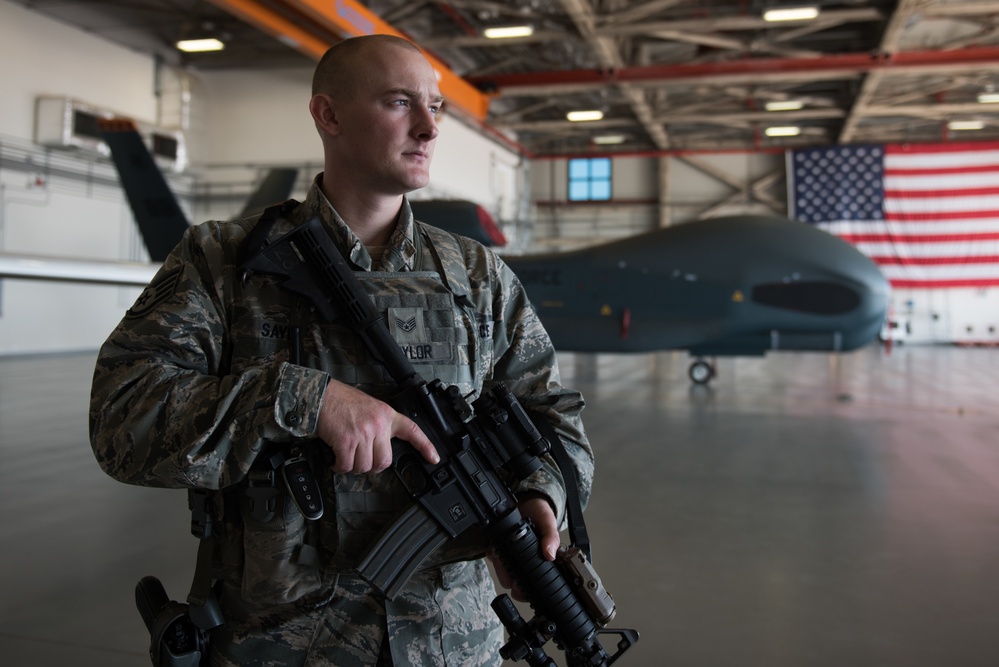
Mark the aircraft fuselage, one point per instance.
(734, 285)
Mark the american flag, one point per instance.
(928, 215)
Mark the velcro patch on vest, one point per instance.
(407, 325)
(410, 330)
(484, 324)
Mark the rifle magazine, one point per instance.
(400, 549)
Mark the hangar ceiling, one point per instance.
(668, 75)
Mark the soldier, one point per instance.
(209, 374)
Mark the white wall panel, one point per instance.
(39, 56)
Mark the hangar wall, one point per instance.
(695, 187)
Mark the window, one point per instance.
(808, 296)
(590, 179)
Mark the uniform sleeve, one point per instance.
(165, 409)
(525, 360)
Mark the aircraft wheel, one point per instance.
(701, 372)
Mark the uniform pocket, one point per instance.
(279, 567)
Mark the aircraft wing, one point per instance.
(37, 267)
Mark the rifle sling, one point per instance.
(578, 535)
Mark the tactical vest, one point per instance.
(277, 554)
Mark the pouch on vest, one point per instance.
(279, 566)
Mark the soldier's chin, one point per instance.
(416, 182)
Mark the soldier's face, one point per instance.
(388, 128)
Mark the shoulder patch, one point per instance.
(156, 292)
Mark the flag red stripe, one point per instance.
(927, 238)
(934, 261)
(928, 194)
(942, 171)
(935, 284)
(932, 217)
(957, 147)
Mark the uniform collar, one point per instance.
(401, 252)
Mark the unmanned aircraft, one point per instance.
(737, 285)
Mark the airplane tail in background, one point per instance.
(157, 212)
(460, 217)
(274, 189)
(160, 218)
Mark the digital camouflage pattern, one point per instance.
(196, 388)
(442, 618)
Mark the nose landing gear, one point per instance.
(701, 371)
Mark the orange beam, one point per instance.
(276, 26)
(348, 18)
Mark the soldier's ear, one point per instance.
(323, 112)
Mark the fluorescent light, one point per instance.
(784, 105)
(783, 131)
(198, 45)
(606, 139)
(965, 125)
(582, 116)
(791, 14)
(988, 98)
(506, 32)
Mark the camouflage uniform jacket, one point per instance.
(196, 386)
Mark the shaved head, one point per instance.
(337, 70)
(376, 103)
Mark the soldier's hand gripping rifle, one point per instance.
(480, 446)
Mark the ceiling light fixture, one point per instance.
(200, 45)
(506, 32)
(607, 139)
(988, 98)
(784, 105)
(791, 14)
(783, 131)
(965, 125)
(583, 116)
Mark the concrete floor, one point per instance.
(805, 510)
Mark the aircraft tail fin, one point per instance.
(460, 217)
(157, 212)
(274, 189)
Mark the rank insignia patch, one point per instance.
(156, 292)
(406, 325)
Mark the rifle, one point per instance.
(482, 446)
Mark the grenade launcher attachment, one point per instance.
(483, 447)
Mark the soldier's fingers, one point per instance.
(362, 460)
(343, 459)
(504, 578)
(381, 454)
(406, 429)
(543, 517)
